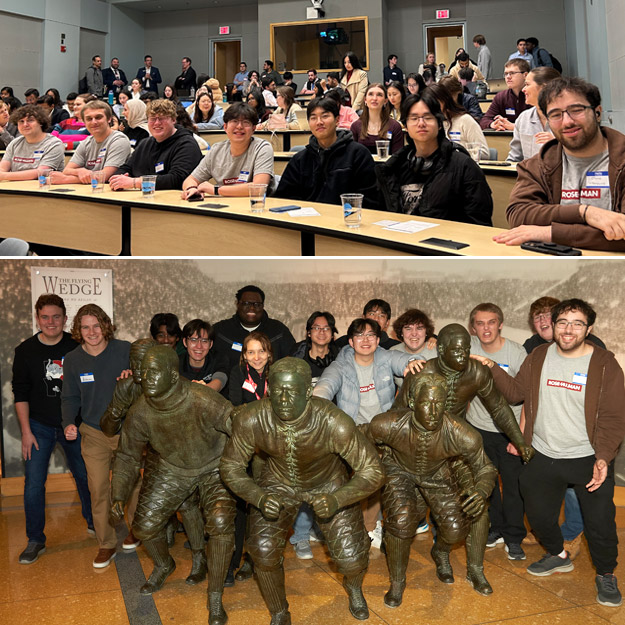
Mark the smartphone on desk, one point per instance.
(550, 248)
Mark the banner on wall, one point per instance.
(77, 287)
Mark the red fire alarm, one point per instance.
(63, 48)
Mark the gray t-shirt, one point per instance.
(424, 354)
(369, 400)
(49, 152)
(510, 358)
(114, 151)
(226, 169)
(585, 180)
(560, 428)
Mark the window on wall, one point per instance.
(322, 44)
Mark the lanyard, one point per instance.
(253, 384)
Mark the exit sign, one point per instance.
(442, 14)
(224, 30)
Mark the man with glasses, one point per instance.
(379, 310)
(199, 363)
(509, 104)
(235, 163)
(573, 192)
(250, 316)
(574, 396)
(171, 153)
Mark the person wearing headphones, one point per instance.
(431, 176)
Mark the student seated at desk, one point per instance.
(233, 163)
(255, 99)
(135, 126)
(34, 149)
(171, 153)
(284, 116)
(432, 176)
(105, 150)
(207, 115)
(332, 163)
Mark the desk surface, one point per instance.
(125, 222)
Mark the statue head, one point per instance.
(138, 350)
(426, 398)
(454, 346)
(159, 371)
(289, 387)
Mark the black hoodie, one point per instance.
(171, 160)
(318, 175)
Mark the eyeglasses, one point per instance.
(575, 111)
(321, 328)
(426, 119)
(160, 120)
(509, 74)
(194, 340)
(241, 122)
(256, 305)
(542, 317)
(563, 324)
(362, 335)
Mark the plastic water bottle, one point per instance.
(111, 98)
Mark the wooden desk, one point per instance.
(500, 140)
(124, 222)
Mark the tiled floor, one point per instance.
(62, 586)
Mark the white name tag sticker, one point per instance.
(580, 378)
(160, 167)
(454, 135)
(389, 135)
(505, 367)
(133, 142)
(248, 386)
(510, 112)
(244, 176)
(87, 377)
(597, 180)
(237, 347)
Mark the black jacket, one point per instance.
(212, 365)
(237, 393)
(455, 188)
(302, 350)
(229, 336)
(179, 155)
(108, 77)
(318, 175)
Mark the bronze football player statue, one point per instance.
(418, 446)
(307, 443)
(186, 425)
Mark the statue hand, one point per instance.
(527, 453)
(270, 506)
(473, 504)
(116, 513)
(325, 505)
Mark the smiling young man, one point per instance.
(574, 395)
(509, 104)
(37, 383)
(235, 163)
(89, 378)
(331, 164)
(105, 150)
(171, 153)
(506, 506)
(573, 192)
(199, 363)
(34, 149)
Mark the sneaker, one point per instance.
(130, 542)
(515, 551)
(91, 530)
(376, 535)
(494, 538)
(303, 550)
(104, 558)
(316, 538)
(423, 527)
(607, 591)
(31, 553)
(573, 547)
(549, 564)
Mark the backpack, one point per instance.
(82, 84)
(556, 64)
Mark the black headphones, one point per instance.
(419, 165)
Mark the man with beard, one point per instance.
(466, 379)
(575, 419)
(571, 193)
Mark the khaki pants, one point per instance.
(98, 451)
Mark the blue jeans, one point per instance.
(36, 474)
(303, 524)
(573, 524)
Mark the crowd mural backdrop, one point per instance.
(446, 290)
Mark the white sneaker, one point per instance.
(376, 535)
